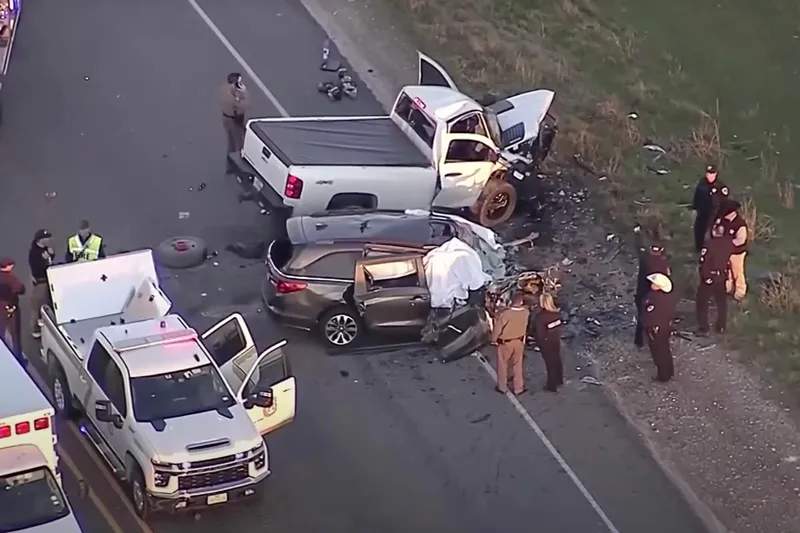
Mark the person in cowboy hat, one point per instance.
(735, 228)
(708, 195)
(657, 314)
(652, 260)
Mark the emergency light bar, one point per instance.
(171, 337)
(21, 428)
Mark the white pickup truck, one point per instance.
(31, 497)
(438, 148)
(178, 417)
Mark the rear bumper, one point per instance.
(255, 186)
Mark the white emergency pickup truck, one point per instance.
(179, 417)
(438, 148)
(31, 497)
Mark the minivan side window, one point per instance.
(108, 377)
(392, 275)
(412, 115)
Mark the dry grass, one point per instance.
(780, 295)
(762, 227)
(786, 191)
(704, 141)
(768, 171)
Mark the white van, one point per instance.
(31, 497)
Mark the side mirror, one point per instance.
(263, 399)
(494, 157)
(102, 411)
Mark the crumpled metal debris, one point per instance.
(590, 380)
(248, 250)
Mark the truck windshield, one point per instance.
(29, 499)
(177, 394)
(494, 126)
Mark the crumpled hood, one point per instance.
(232, 435)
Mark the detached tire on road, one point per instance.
(181, 252)
(496, 204)
(340, 328)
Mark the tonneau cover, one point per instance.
(346, 141)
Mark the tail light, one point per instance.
(294, 187)
(41, 423)
(5, 431)
(286, 287)
(22, 427)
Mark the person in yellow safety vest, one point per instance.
(85, 245)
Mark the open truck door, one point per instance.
(265, 386)
(466, 162)
(432, 73)
(262, 382)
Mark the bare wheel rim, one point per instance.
(341, 330)
(58, 394)
(497, 204)
(138, 495)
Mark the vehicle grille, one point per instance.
(213, 462)
(213, 478)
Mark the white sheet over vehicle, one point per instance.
(452, 270)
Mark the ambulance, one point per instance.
(31, 496)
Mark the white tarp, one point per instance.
(452, 270)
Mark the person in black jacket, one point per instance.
(547, 333)
(657, 314)
(40, 257)
(652, 260)
(11, 288)
(714, 258)
(708, 195)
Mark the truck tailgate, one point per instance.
(271, 171)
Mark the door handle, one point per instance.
(453, 175)
(417, 298)
(83, 379)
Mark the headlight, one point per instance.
(258, 456)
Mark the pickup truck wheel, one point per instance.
(62, 396)
(496, 204)
(340, 327)
(138, 493)
(181, 252)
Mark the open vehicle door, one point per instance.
(265, 385)
(431, 73)
(466, 162)
(229, 339)
(392, 293)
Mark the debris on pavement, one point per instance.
(50, 195)
(182, 215)
(590, 380)
(525, 240)
(248, 251)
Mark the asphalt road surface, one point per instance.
(112, 107)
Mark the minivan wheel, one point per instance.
(340, 327)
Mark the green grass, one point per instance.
(710, 84)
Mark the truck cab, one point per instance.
(31, 496)
(178, 416)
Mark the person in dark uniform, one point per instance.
(714, 258)
(11, 288)
(508, 333)
(657, 314)
(547, 332)
(40, 257)
(652, 260)
(233, 101)
(708, 195)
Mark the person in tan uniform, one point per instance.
(508, 333)
(233, 100)
(735, 228)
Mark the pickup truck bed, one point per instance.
(369, 141)
(81, 333)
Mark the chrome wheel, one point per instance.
(58, 395)
(341, 330)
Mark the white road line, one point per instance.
(485, 364)
(101, 507)
(549, 445)
(238, 57)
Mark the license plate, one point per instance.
(217, 498)
(258, 184)
(519, 175)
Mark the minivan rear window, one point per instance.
(336, 265)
